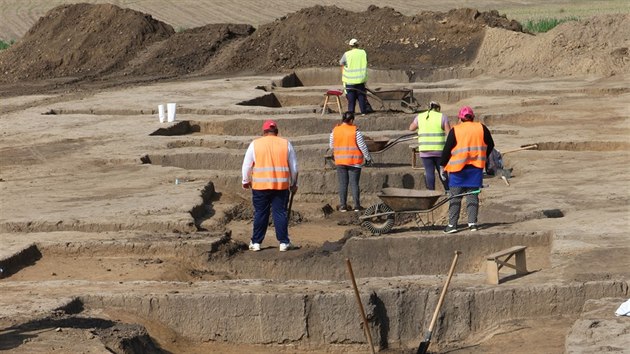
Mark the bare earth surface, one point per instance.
(103, 251)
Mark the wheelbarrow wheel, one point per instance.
(382, 224)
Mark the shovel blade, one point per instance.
(424, 346)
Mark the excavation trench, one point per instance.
(311, 317)
(217, 256)
(303, 296)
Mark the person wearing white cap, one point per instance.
(354, 74)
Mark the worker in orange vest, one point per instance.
(270, 170)
(464, 158)
(350, 153)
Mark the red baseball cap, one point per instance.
(269, 124)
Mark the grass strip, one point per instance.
(545, 24)
(5, 45)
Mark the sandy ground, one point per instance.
(73, 184)
(82, 172)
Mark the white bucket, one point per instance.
(170, 111)
(161, 113)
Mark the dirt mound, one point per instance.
(79, 40)
(597, 46)
(92, 42)
(317, 36)
(188, 51)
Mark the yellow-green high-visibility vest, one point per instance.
(431, 136)
(355, 70)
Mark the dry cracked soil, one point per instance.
(120, 233)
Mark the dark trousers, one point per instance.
(273, 202)
(431, 166)
(349, 175)
(356, 91)
(455, 204)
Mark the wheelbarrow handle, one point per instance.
(395, 141)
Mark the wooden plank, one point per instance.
(505, 252)
(492, 272)
(521, 263)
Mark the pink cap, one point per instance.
(269, 124)
(465, 111)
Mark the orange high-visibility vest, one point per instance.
(470, 148)
(345, 148)
(271, 169)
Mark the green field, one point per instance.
(575, 9)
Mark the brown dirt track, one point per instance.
(102, 252)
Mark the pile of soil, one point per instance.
(96, 42)
(80, 40)
(188, 51)
(86, 40)
(318, 36)
(597, 46)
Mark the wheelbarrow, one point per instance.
(392, 100)
(395, 100)
(380, 218)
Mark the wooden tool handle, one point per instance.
(526, 147)
(441, 300)
(366, 328)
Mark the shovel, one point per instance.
(424, 345)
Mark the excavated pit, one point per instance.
(277, 100)
(404, 252)
(118, 270)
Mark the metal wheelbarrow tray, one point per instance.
(400, 199)
(380, 218)
(392, 100)
(395, 100)
(380, 144)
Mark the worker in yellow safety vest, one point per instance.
(432, 127)
(350, 153)
(270, 170)
(464, 158)
(354, 69)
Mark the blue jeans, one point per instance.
(352, 96)
(432, 164)
(270, 201)
(349, 175)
